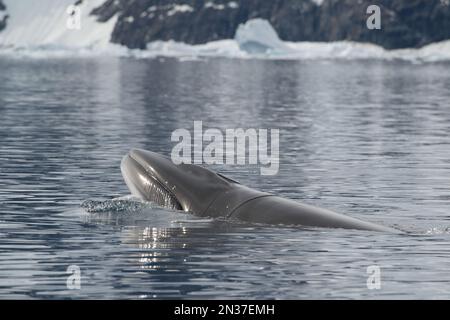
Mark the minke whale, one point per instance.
(195, 189)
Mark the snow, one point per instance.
(212, 5)
(43, 23)
(180, 8)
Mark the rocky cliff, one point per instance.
(3, 15)
(405, 23)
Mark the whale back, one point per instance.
(277, 210)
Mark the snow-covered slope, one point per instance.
(44, 23)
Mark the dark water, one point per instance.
(369, 139)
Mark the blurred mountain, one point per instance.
(404, 23)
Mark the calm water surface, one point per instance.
(368, 139)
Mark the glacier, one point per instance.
(38, 29)
(256, 39)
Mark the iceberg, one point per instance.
(257, 36)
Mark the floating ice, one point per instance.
(257, 36)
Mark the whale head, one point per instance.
(153, 177)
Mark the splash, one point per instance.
(438, 230)
(131, 211)
(115, 206)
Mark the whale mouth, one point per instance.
(146, 185)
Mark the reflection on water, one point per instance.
(369, 139)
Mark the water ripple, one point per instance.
(366, 138)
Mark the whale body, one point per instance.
(195, 189)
